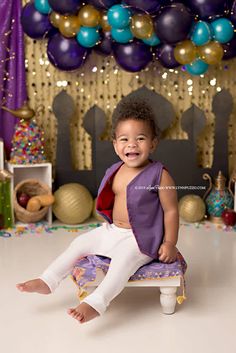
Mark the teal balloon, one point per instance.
(123, 35)
(152, 41)
(202, 33)
(197, 67)
(223, 30)
(42, 6)
(118, 16)
(88, 36)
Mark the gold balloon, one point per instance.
(55, 18)
(185, 52)
(192, 208)
(211, 53)
(104, 23)
(69, 26)
(141, 26)
(89, 16)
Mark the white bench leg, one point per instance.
(168, 299)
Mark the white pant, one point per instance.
(107, 240)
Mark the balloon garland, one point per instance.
(192, 33)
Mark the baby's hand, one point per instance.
(167, 253)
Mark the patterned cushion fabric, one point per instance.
(85, 269)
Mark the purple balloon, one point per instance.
(233, 14)
(165, 54)
(65, 6)
(66, 54)
(230, 49)
(207, 8)
(173, 23)
(34, 23)
(149, 6)
(132, 57)
(103, 4)
(105, 45)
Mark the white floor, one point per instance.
(205, 323)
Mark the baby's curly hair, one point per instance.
(136, 109)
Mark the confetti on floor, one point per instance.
(40, 227)
(208, 226)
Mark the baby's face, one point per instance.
(134, 142)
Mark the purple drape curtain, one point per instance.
(12, 66)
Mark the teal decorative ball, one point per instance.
(217, 201)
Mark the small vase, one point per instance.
(217, 197)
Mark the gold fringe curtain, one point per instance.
(100, 81)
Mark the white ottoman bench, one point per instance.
(88, 272)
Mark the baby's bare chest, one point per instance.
(121, 180)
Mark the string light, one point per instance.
(164, 76)
(213, 82)
(5, 56)
(61, 83)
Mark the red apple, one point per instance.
(23, 199)
(229, 217)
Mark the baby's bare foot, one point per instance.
(83, 313)
(34, 286)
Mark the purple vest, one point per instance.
(145, 212)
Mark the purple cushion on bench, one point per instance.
(85, 269)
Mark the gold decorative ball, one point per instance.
(73, 203)
(192, 208)
(95, 214)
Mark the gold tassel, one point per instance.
(180, 299)
(82, 294)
